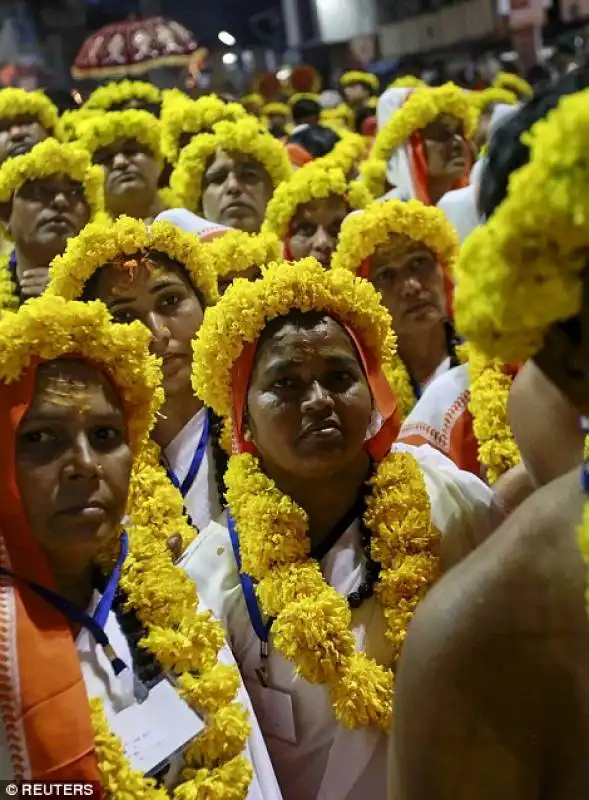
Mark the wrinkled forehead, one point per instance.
(332, 205)
(398, 248)
(228, 159)
(73, 383)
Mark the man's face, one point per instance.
(357, 93)
(131, 174)
(45, 214)
(18, 135)
(236, 191)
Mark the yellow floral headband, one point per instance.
(407, 82)
(347, 153)
(242, 136)
(252, 99)
(104, 130)
(357, 76)
(101, 243)
(49, 158)
(494, 94)
(421, 107)
(520, 272)
(295, 98)
(361, 234)
(184, 115)
(119, 92)
(513, 83)
(50, 327)
(306, 286)
(19, 103)
(236, 251)
(69, 122)
(276, 108)
(310, 183)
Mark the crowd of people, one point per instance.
(293, 406)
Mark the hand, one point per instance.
(176, 547)
(34, 281)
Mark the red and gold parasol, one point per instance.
(133, 47)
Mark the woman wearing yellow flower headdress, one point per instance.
(127, 145)
(253, 104)
(421, 148)
(332, 564)
(359, 88)
(307, 212)
(26, 118)
(278, 118)
(106, 638)
(500, 653)
(122, 95)
(229, 175)
(46, 196)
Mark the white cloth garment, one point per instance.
(330, 762)
(192, 223)
(202, 500)
(399, 173)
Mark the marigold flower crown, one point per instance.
(358, 76)
(102, 242)
(49, 158)
(15, 102)
(69, 122)
(116, 93)
(236, 251)
(312, 182)
(246, 308)
(534, 246)
(489, 97)
(51, 327)
(185, 115)
(407, 82)
(347, 153)
(243, 136)
(104, 130)
(513, 83)
(279, 109)
(421, 107)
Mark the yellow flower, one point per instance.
(69, 122)
(407, 82)
(313, 182)
(421, 107)
(298, 96)
(243, 136)
(494, 94)
(358, 76)
(278, 109)
(347, 153)
(48, 158)
(118, 93)
(102, 242)
(236, 251)
(514, 84)
(8, 289)
(182, 115)
(16, 102)
(104, 130)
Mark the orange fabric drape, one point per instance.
(45, 711)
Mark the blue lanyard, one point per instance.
(196, 462)
(261, 628)
(95, 623)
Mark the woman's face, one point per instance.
(308, 404)
(446, 148)
(132, 175)
(73, 459)
(411, 284)
(163, 299)
(315, 228)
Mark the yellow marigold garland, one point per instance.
(340, 118)
(116, 93)
(48, 158)
(534, 245)
(8, 290)
(183, 116)
(101, 242)
(421, 107)
(104, 130)
(361, 234)
(490, 385)
(69, 122)
(489, 97)
(313, 182)
(298, 96)
(407, 82)
(15, 102)
(278, 109)
(236, 251)
(312, 625)
(513, 83)
(243, 136)
(358, 76)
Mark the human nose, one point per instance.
(411, 285)
(232, 184)
(60, 201)
(83, 461)
(323, 241)
(317, 399)
(160, 333)
(120, 161)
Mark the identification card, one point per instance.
(274, 711)
(158, 728)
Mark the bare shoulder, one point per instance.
(491, 674)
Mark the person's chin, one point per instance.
(241, 221)
(176, 378)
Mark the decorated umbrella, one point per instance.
(133, 47)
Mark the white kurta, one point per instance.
(202, 501)
(329, 762)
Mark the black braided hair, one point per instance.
(452, 342)
(220, 457)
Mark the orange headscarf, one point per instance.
(43, 698)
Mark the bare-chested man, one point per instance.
(492, 696)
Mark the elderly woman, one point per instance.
(47, 196)
(306, 213)
(316, 568)
(229, 176)
(421, 149)
(100, 627)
